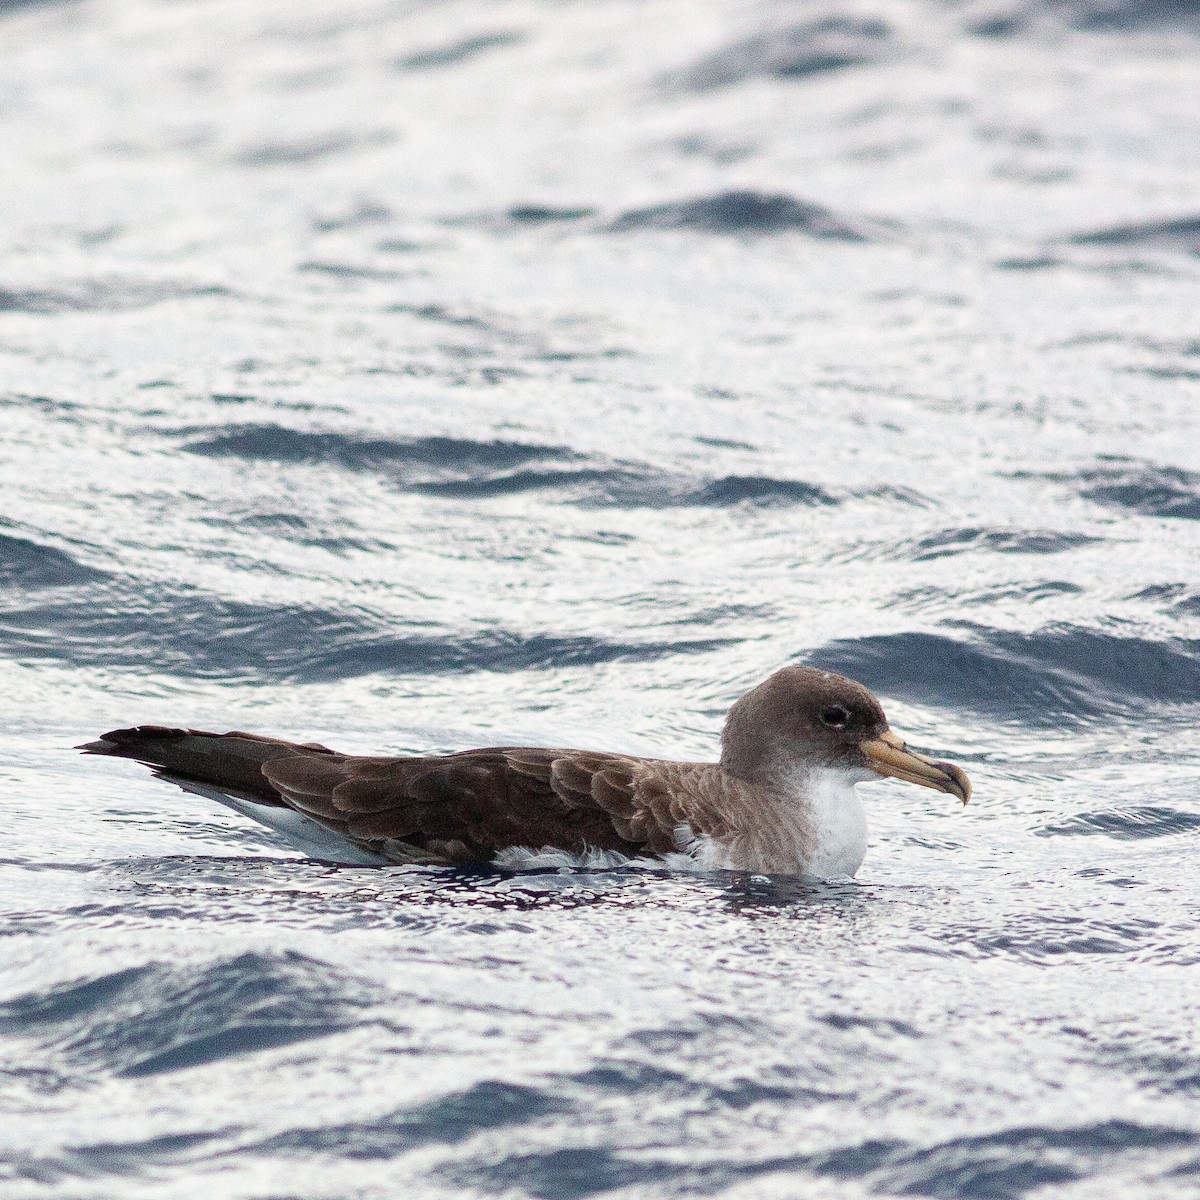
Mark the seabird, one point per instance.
(781, 799)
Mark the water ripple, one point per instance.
(745, 213)
(157, 1018)
(464, 469)
(1042, 678)
(132, 624)
(1132, 823)
(814, 47)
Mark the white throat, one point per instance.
(838, 820)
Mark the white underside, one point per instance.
(694, 854)
(300, 831)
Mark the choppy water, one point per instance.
(411, 375)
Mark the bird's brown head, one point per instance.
(802, 718)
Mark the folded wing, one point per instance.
(449, 808)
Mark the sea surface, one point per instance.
(416, 375)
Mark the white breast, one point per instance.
(830, 803)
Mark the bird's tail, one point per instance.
(230, 762)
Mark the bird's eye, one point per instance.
(837, 715)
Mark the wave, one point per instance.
(1006, 1163)
(317, 148)
(833, 42)
(464, 469)
(452, 54)
(278, 443)
(947, 542)
(111, 294)
(33, 565)
(129, 625)
(1016, 17)
(1062, 673)
(1178, 233)
(487, 1105)
(1152, 491)
(1129, 824)
(156, 1018)
(745, 212)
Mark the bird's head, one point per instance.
(802, 720)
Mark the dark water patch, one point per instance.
(121, 1159)
(632, 487)
(463, 469)
(183, 631)
(1004, 1165)
(29, 564)
(1033, 262)
(444, 316)
(828, 43)
(1132, 823)
(1109, 669)
(187, 632)
(568, 1173)
(305, 151)
(1015, 17)
(1189, 373)
(451, 1119)
(1176, 596)
(351, 271)
(948, 542)
(1125, 15)
(1046, 940)
(1013, 1162)
(896, 494)
(580, 485)
(1002, 24)
(1179, 234)
(101, 295)
(1062, 674)
(1160, 1065)
(497, 652)
(68, 1002)
(877, 1025)
(1152, 491)
(46, 404)
(7, 6)
(394, 456)
(157, 1018)
(1030, 593)
(758, 489)
(542, 214)
(461, 51)
(626, 1079)
(743, 213)
(293, 528)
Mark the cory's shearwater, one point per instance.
(781, 799)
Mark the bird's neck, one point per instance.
(805, 822)
(827, 801)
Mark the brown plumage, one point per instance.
(746, 811)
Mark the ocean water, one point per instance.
(411, 376)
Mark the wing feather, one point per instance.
(453, 807)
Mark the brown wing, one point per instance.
(469, 805)
(455, 807)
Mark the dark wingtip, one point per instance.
(116, 741)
